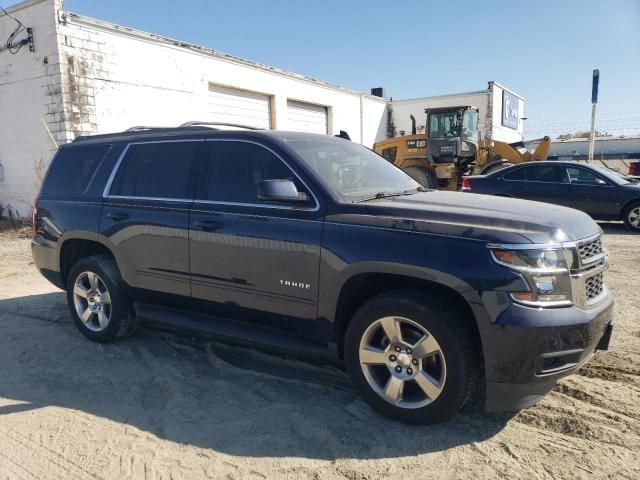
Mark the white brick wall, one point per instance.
(29, 93)
(130, 78)
(88, 76)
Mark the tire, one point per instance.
(95, 288)
(426, 178)
(631, 216)
(454, 370)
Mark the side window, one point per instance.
(156, 170)
(582, 177)
(541, 173)
(390, 154)
(518, 174)
(237, 168)
(73, 168)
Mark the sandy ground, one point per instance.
(168, 406)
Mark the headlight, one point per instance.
(546, 273)
(539, 259)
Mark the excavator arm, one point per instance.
(494, 153)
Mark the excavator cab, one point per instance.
(452, 136)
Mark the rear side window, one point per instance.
(156, 170)
(73, 168)
(539, 173)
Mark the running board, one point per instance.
(233, 331)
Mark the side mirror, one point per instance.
(281, 191)
(600, 181)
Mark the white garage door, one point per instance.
(307, 117)
(237, 106)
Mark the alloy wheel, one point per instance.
(402, 362)
(92, 301)
(634, 217)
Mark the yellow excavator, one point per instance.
(451, 148)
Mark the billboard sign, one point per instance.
(594, 86)
(510, 110)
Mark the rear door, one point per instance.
(542, 183)
(253, 259)
(145, 219)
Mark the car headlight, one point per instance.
(545, 271)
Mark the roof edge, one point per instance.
(21, 5)
(200, 50)
(446, 95)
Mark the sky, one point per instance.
(544, 50)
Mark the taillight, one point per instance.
(632, 168)
(466, 185)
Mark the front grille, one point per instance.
(590, 249)
(593, 286)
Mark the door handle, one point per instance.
(208, 225)
(117, 216)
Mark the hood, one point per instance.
(482, 217)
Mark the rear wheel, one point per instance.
(412, 357)
(426, 178)
(631, 217)
(95, 294)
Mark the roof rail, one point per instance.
(138, 128)
(196, 123)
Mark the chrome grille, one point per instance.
(593, 286)
(590, 249)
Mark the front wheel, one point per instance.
(425, 177)
(631, 217)
(412, 357)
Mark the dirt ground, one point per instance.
(168, 406)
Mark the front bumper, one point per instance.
(532, 348)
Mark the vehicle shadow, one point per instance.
(615, 228)
(195, 391)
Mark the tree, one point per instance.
(391, 127)
(568, 136)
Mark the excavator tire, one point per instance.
(426, 178)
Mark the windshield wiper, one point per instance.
(380, 195)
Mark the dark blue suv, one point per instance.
(318, 246)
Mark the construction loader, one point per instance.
(451, 148)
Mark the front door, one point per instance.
(592, 194)
(545, 183)
(252, 259)
(145, 218)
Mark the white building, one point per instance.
(86, 76)
(501, 112)
(605, 148)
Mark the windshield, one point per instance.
(444, 125)
(352, 171)
(470, 124)
(612, 175)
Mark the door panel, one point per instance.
(251, 258)
(150, 240)
(541, 183)
(590, 195)
(145, 218)
(265, 261)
